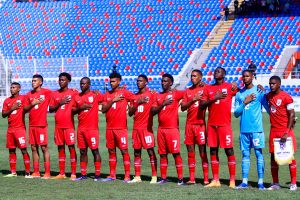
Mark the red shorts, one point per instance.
(195, 134)
(117, 138)
(88, 138)
(16, 137)
(38, 135)
(219, 136)
(64, 136)
(168, 140)
(142, 138)
(278, 134)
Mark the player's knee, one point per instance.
(24, 151)
(137, 154)
(151, 152)
(44, 148)
(258, 154)
(34, 148)
(229, 151)
(111, 150)
(213, 151)
(83, 151)
(124, 151)
(246, 154)
(176, 155)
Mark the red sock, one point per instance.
(13, 162)
(36, 167)
(178, 163)
(112, 164)
(192, 165)
(274, 171)
(62, 161)
(204, 166)
(215, 167)
(83, 168)
(153, 162)
(73, 161)
(293, 172)
(126, 162)
(163, 167)
(137, 166)
(47, 167)
(97, 168)
(231, 167)
(26, 159)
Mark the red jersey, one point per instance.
(116, 116)
(17, 118)
(195, 115)
(88, 119)
(143, 119)
(168, 116)
(279, 110)
(38, 114)
(220, 110)
(63, 115)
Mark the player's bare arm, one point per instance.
(32, 104)
(106, 107)
(15, 106)
(185, 106)
(290, 126)
(157, 109)
(234, 86)
(63, 101)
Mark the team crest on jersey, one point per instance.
(273, 109)
(91, 99)
(279, 101)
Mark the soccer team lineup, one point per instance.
(200, 136)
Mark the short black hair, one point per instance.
(169, 76)
(198, 71)
(223, 69)
(143, 76)
(39, 77)
(67, 75)
(115, 74)
(16, 83)
(277, 78)
(247, 70)
(87, 78)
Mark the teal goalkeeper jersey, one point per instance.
(251, 114)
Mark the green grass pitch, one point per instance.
(21, 188)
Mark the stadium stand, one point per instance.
(88, 37)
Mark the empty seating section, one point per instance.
(139, 36)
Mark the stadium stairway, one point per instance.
(217, 35)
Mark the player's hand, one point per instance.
(37, 101)
(260, 88)
(202, 84)
(234, 86)
(142, 100)
(117, 98)
(197, 96)
(168, 101)
(220, 95)
(86, 107)
(249, 98)
(283, 138)
(75, 89)
(16, 106)
(65, 100)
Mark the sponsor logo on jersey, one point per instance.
(278, 103)
(91, 99)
